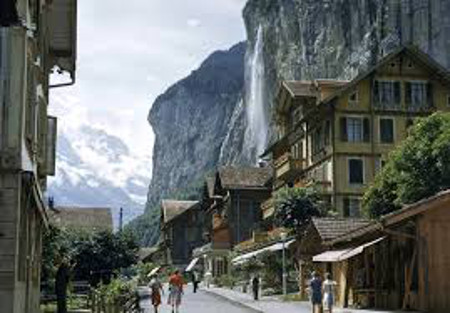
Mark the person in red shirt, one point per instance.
(176, 283)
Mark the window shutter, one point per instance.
(397, 93)
(430, 95)
(344, 136)
(408, 93)
(376, 96)
(366, 129)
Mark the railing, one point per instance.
(100, 304)
(267, 208)
(287, 164)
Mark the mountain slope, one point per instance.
(95, 168)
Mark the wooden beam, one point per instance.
(409, 277)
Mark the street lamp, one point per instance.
(283, 236)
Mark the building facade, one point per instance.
(36, 36)
(181, 230)
(233, 199)
(396, 262)
(337, 134)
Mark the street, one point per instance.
(200, 302)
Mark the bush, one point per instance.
(228, 281)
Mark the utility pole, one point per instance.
(121, 219)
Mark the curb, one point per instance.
(232, 301)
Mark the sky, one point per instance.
(130, 51)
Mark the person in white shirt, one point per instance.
(329, 287)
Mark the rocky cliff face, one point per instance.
(200, 122)
(191, 120)
(307, 39)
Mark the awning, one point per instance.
(191, 265)
(275, 247)
(154, 271)
(341, 255)
(330, 256)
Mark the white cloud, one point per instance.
(193, 22)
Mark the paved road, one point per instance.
(192, 303)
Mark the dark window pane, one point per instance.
(343, 122)
(386, 130)
(356, 171)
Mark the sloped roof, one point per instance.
(173, 208)
(331, 228)
(82, 218)
(411, 51)
(300, 88)
(245, 177)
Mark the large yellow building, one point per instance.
(338, 133)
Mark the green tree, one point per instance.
(418, 168)
(294, 207)
(102, 254)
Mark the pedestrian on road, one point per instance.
(255, 287)
(328, 293)
(315, 288)
(208, 278)
(156, 288)
(195, 280)
(176, 291)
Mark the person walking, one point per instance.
(176, 291)
(157, 288)
(255, 287)
(208, 278)
(315, 287)
(328, 293)
(195, 280)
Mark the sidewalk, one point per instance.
(272, 304)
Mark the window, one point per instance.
(295, 116)
(418, 95)
(387, 94)
(297, 151)
(355, 129)
(353, 99)
(356, 171)
(351, 207)
(327, 132)
(317, 141)
(386, 130)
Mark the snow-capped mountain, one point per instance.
(95, 168)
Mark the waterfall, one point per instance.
(257, 125)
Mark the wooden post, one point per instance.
(409, 276)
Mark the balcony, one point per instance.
(287, 166)
(267, 208)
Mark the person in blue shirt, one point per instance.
(315, 287)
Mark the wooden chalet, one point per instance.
(319, 232)
(181, 230)
(234, 196)
(401, 261)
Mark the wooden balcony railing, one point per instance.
(287, 164)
